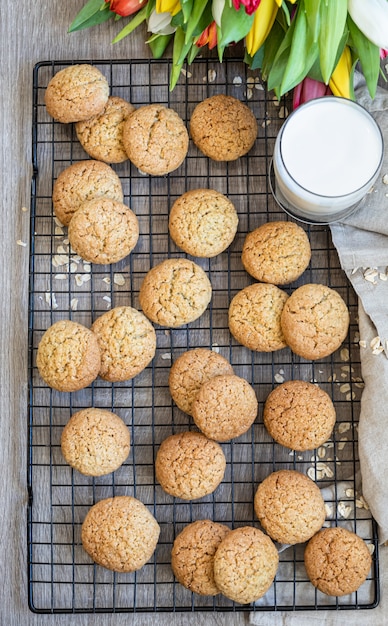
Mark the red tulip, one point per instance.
(208, 36)
(126, 7)
(250, 5)
(309, 89)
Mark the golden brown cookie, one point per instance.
(254, 317)
(290, 506)
(192, 555)
(101, 136)
(155, 139)
(337, 561)
(225, 407)
(276, 252)
(82, 181)
(314, 321)
(191, 370)
(203, 222)
(103, 231)
(76, 93)
(223, 128)
(175, 292)
(299, 415)
(127, 342)
(120, 533)
(245, 564)
(188, 465)
(68, 357)
(95, 442)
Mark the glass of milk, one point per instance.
(327, 156)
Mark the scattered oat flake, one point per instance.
(325, 469)
(21, 243)
(119, 279)
(329, 510)
(61, 250)
(186, 73)
(74, 304)
(265, 123)
(106, 280)
(349, 493)
(362, 343)
(341, 444)
(283, 112)
(107, 300)
(73, 267)
(259, 86)
(279, 378)
(344, 354)
(385, 179)
(51, 299)
(321, 452)
(250, 80)
(276, 101)
(58, 231)
(237, 80)
(343, 427)
(59, 259)
(350, 396)
(371, 548)
(249, 94)
(344, 388)
(87, 267)
(211, 76)
(166, 356)
(57, 221)
(215, 347)
(60, 276)
(361, 503)
(344, 509)
(24, 209)
(371, 274)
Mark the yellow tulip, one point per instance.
(263, 20)
(279, 2)
(168, 6)
(339, 82)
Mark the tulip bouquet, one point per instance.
(311, 46)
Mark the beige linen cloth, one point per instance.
(361, 241)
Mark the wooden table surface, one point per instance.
(32, 32)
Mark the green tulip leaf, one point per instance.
(133, 24)
(235, 25)
(368, 54)
(187, 8)
(271, 47)
(94, 12)
(333, 15)
(199, 19)
(313, 17)
(303, 53)
(158, 44)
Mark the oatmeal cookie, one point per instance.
(192, 555)
(203, 222)
(314, 321)
(68, 357)
(191, 370)
(103, 231)
(254, 317)
(76, 93)
(225, 407)
(189, 466)
(290, 506)
(127, 342)
(245, 564)
(120, 533)
(337, 561)
(84, 180)
(101, 136)
(276, 252)
(175, 292)
(155, 139)
(223, 128)
(95, 442)
(299, 415)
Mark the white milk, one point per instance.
(327, 155)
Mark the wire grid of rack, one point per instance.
(62, 578)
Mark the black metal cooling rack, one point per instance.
(62, 578)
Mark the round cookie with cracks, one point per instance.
(189, 466)
(120, 533)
